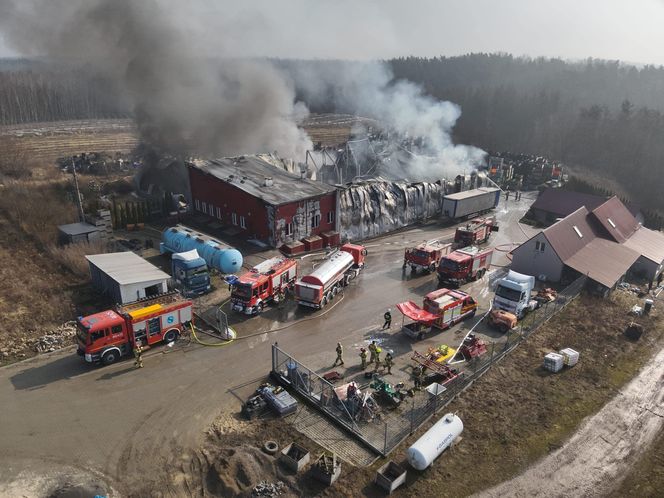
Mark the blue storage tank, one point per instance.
(215, 253)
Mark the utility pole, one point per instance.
(79, 204)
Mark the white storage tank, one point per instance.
(570, 357)
(434, 441)
(554, 362)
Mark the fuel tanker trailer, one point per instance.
(320, 286)
(222, 257)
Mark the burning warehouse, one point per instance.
(263, 201)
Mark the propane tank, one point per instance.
(215, 253)
(434, 441)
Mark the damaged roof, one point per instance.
(261, 179)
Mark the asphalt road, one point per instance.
(126, 424)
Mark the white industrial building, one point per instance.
(126, 277)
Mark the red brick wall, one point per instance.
(229, 199)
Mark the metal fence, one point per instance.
(383, 431)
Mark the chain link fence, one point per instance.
(383, 430)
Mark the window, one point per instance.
(611, 222)
(578, 232)
(116, 329)
(218, 213)
(539, 246)
(315, 221)
(289, 228)
(243, 223)
(94, 336)
(264, 287)
(198, 204)
(234, 218)
(330, 217)
(204, 208)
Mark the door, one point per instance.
(153, 290)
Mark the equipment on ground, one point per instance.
(190, 272)
(554, 362)
(570, 357)
(434, 441)
(445, 373)
(464, 265)
(502, 320)
(513, 294)
(471, 347)
(278, 399)
(470, 202)
(108, 335)
(320, 287)
(216, 254)
(426, 256)
(386, 392)
(270, 281)
(475, 232)
(441, 309)
(326, 468)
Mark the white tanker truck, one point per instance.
(320, 286)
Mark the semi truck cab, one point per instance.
(513, 293)
(190, 272)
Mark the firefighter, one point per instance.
(388, 362)
(340, 352)
(417, 377)
(363, 358)
(372, 351)
(388, 319)
(138, 354)
(378, 351)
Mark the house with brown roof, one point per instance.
(553, 204)
(605, 243)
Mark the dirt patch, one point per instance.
(646, 478)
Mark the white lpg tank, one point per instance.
(434, 441)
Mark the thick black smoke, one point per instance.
(182, 100)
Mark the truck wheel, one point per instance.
(420, 336)
(413, 269)
(171, 336)
(335, 290)
(323, 302)
(503, 328)
(110, 357)
(480, 274)
(432, 267)
(329, 296)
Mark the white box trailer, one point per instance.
(470, 202)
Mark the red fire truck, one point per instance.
(320, 286)
(442, 309)
(270, 281)
(476, 231)
(108, 335)
(426, 255)
(464, 265)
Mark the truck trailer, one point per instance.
(106, 336)
(470, 202)
(320, 286)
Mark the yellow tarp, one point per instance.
(442, 353)
(144, 311)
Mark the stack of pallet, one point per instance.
(102, 220)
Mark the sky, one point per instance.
(631, 31)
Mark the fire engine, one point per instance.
(269, 281)
(110, 334)
(426, 255)
(464, 265)
(476, 231)
(442, 309)
(319, 287)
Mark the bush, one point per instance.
(72, 256)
